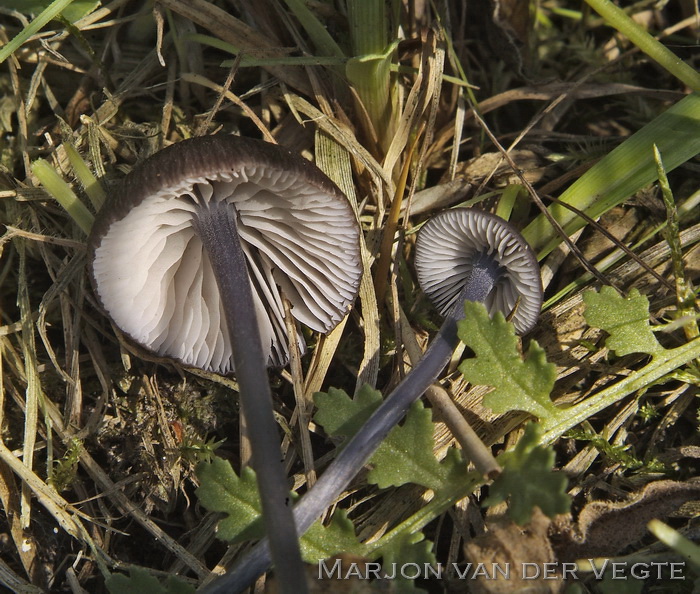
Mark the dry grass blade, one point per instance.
(538, 201)
(392, 221)
(10, 503)
(14, 583)
(341, 134)
(228, 28)
(303, 402)
(33, 391)
(198, 79)
(47, 497)
(334, 159)
(421, 94)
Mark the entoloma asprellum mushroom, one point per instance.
(461, 255)
(192, 256)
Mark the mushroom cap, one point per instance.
(449, 243)
(154, 279)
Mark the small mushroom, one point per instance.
(461, 255)
(192, 256)
(470, 255)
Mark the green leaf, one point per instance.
(518, 384)
(406, 455)
(342, 416)
(222, 490)
(140, 581)
(406, 548)
(626, 319)
(637, 34)
(527, 480)
(321, 542)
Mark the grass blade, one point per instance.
(617, 18)
(62, 192)
(51, 12)
(624, 171)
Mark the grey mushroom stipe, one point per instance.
(154, 278)
(461, 255)
(191, 258)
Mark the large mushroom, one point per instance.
(153, 254)
(461, 255)
(192, 257)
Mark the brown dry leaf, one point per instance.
(619, 222)
(508, 545)
(605, 528)
(494, 166)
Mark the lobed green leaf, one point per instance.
(406, 455)
(519, 384)
(342, 416)
(222, 490)
(527, 480)
(626, 319)
(140, 581)
(321, 542)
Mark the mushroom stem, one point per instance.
(362, 445)
(217, 229)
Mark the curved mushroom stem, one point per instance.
(359, 449)
(218, 232)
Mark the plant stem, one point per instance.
(661, 364)
(370, 69)
(363, 444)
(61, 191)
(217, 229)
(685, 296)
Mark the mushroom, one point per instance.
(464, 254)
(461, 255)
(192, 256)
(149, 261)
